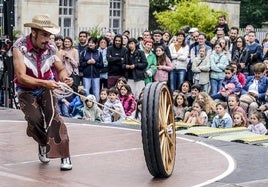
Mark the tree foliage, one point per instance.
(253, 12)
(193, 13)
(158, 5)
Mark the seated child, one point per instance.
(197, 116)
(137, 113)
(127, 99)
(256, 125)
(239, 120)
(113, 103)
(180, 106)
(233, 106)
(223, 118)
(91, 111)
(103, 97)
(76, 105)
(230, 85)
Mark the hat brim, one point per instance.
(54, 29)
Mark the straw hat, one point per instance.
(43, 22)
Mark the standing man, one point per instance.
(81, 47)
(255, 51)
(33, 58)
(158, 41)
(116, 57)
(232, 42)
(83, 38)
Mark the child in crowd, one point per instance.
(76, 105)
(222, 23)
(127, 99)
(103, 97)
(121, 81)
(239, 120)
(237, 71)
(218, 62)
(185, 88)
(201, 68)
(180, 106)
(164, 65)
(223, 118)
(114, 103)
(230, 85)
(195, 90)
(256, 125)
(91, 111)
(174, 94)
(233, 106)
(197, 116)
(210, 106)
(137, 113)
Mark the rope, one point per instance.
(66, 91)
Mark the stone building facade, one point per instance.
(76, 15)
(231, 7)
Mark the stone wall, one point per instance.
(231, 7)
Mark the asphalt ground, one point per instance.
(105, 155)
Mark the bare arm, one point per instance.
(23, 78)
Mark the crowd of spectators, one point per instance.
(221, 82)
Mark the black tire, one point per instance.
(159, 151)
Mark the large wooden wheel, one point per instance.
(158, 130)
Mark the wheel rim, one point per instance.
(166, 128)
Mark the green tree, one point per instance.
(193, 13)
(159, 6)
(253, 12)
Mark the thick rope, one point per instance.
(66, 91)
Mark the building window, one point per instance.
(116, 16)
(66, 17)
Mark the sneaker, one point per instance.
(66, 164)
(43, 154)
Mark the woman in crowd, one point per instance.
(179, 51)
(103, 44)
(218, 62)
(91, 62)
(241, 54)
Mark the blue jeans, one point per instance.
(93, 84)
(219, 96)
(215, 86)
(176, 78)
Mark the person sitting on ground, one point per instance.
(197, 116)
(90, 110)
(185, 88)
(230, 85)
(210, 106)
(76, 105)
(103, 97)
(113, 110)
(195, 90)
(180, 106)
(127, 99)
(256, 125)
(239, 120)
(233, 107)
(137, 113)
(223, 118)
(253, 93)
